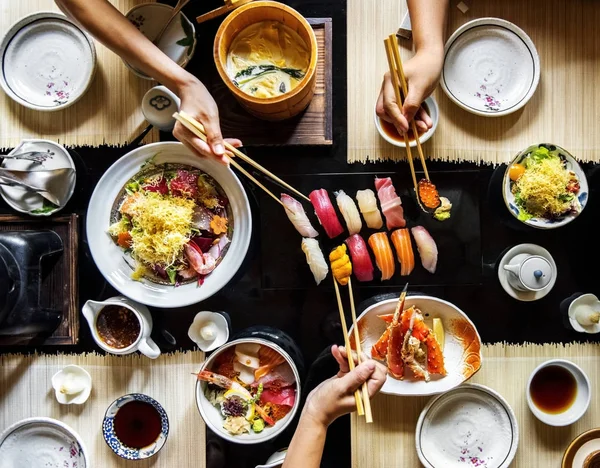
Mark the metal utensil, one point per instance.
(54, 185)
(35, 156)
(174, 13)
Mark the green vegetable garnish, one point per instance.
(256, 397)
(47, 207)
(133, 187)
(254, 71)
(172, 272)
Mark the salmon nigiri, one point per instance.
(404, 250)
(384, 257)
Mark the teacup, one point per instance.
(529, 272)
(142, 342)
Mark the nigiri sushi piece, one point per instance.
(361, 260)
(315, 259)
(391, 205)
(295, 212)
(384, 258)
(427, 248)
(341, 268)
(404, 250)
(326, 213)
(367, 203)
(349, 212)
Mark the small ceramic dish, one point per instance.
(24, 200)
(585, 448)
(111, 439)
(469, 425)
(48, 62)
(158, 106)
(582, 398)
(42, 442)
(570, 164)
(209, 330)
(491, 67)
(434, 113)
(275, 460)
(581, 309)
(72, 385)
(179, 40)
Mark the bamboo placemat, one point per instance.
(390, 440)
(26, 391)
(563, 110)
(109, 112)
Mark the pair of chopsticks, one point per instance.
(198, 129)
(399, 79)
(366, 409)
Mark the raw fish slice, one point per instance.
(269, 359)
(280, 376)
(362, 266)
(367, 204)
(315, 259)
(426, 247)
(391, 204)
(404, 250)
(326, 213)
(284, 396)
(296, 214)
(349, 212)
(384, 257)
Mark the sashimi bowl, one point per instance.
(457, 351)
(248, 391)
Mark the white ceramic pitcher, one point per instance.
(144, 344)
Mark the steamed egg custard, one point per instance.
(267, 59)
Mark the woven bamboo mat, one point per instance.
(564, 109)
(109, 113)
(390, 440)
(26, 391)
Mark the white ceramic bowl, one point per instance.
(212, 416)
(462, 350)
(542, 223)
(588, 302)
(579, 406)
(434, 113)
(491, 67)
(110, 259)
(48, 62)
(42, 442)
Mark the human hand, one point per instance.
(422, 75)
(335, 397)
(197, 101)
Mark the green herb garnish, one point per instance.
(47, 207)
(255, 71)
(172, 273)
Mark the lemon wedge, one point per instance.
(238, 392)
(438, 331)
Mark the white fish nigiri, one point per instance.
(349, 212)
(315, 259)
(367, 203)
(427, 248)
(295, 212)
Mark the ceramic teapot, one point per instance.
(529, 272)
(144, 344)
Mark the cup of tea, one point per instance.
(558, 392)
(135, 426)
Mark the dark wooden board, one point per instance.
(311, 127)
(60, 287)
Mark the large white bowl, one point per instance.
(462, 350)
(212, 416)
(110, 259)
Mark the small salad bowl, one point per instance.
(539, 222)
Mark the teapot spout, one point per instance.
(512, 268)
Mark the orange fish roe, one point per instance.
(428, 194)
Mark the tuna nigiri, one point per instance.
(349, 212)
(325, 212)
(295, 212)
(361, 260)
(391, 205)
(426, 247)
(368, 207)
(404, 250)
(315, 259)
(384, 257)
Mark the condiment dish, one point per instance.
(209, 330)
(583, 314)
(72, 385)
(584, 451)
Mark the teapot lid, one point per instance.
(536, 273)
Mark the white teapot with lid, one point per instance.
(529, 272)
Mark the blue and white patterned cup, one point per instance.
(113, 441)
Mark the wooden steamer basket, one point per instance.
(280, 107)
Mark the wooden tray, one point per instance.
(60, 286)
(312, 127)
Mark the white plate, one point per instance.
(491, 67)
(41, 442)
(462, 350)
(48, 62)
(110, 259)
(26, 201)
(470, 426)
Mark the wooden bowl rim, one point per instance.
(575, 445)
(312, 66)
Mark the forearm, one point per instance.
(428, 21)
(306, 448)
